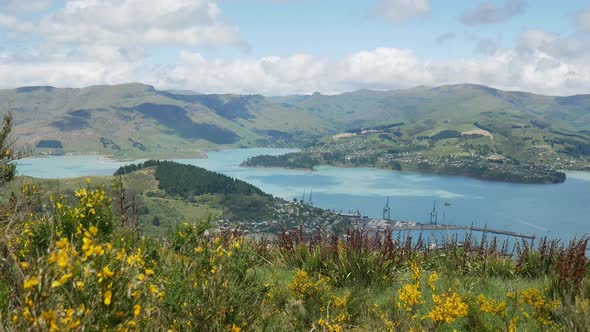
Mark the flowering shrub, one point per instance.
(210, 282)
(447, 308)
(76, 269)
(87, 279)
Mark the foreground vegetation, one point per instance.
(82, 262)
(83, 267)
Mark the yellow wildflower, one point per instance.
(61, 281)
(86, 244)
(513, 325)
(541, 307)
(153, 289)
(416, 273)
(492, 306)
(107, 297)
(447, 308)
(61, 243)
(432, 279)
(136, 310)
(30, 282)
(98, 250)
(62, 258)
(409, 296)
(106, 272)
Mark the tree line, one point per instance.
(189, 180)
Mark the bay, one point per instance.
(556, 210)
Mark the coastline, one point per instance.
(416, 171)
(201, 154)
(284, 168)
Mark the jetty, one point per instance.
(401, 225)
(415, 226)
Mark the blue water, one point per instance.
(561, 210)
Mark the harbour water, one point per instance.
(556, 210)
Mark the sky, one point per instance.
(284, 47)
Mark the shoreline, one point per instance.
(203, 154)
(283, 168)
(483, 179)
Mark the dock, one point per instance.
(400, 225)
(405, 226)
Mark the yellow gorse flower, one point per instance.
(447, 308)
(106, 272)
(61, 281)
(432, 279)
(409, 296)
(300, 284)
(107, 297)
(30, 282)
(63, 242)
(492, 306)
(416, 272)
(541, 307)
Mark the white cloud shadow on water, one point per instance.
(355, 182)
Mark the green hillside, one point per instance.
(135, 120)
(164, 194)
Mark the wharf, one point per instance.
(412, 226)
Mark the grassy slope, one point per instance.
(170, 211)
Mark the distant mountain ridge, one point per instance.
(133, 120)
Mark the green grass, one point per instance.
(172, 212)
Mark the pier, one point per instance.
(400, 225)
(411, 226)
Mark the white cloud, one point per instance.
(489, 13)
(126, 23)
(541, 63)
(91, 42)
(402, 10)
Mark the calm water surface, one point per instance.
(561, 210)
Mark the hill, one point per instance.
(164, 194)
(136, 120)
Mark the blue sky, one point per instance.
(297, 46)
(335, 28)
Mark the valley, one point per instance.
(461, 129)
